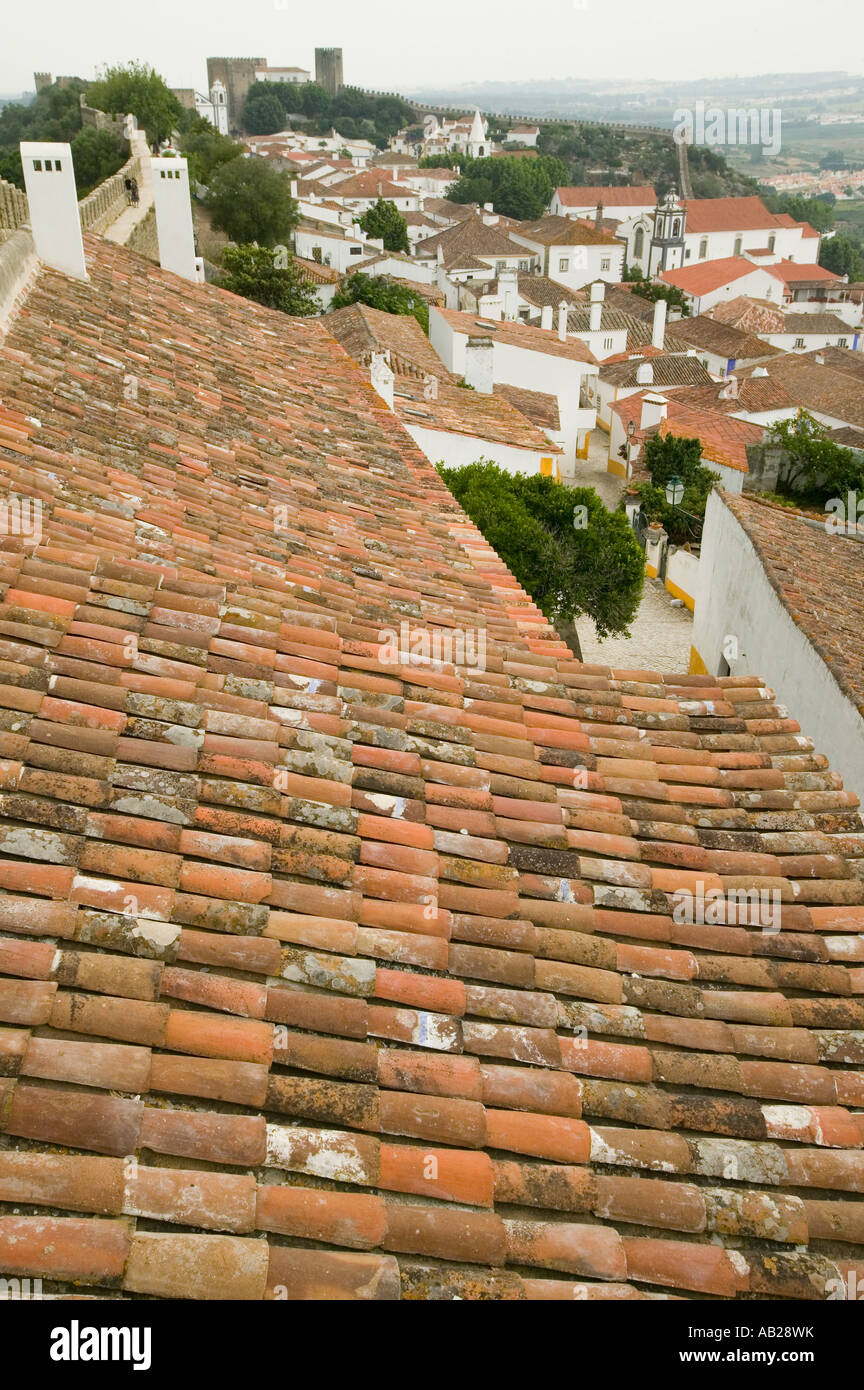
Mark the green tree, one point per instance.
(96, 154)
(384, 220)
(647, 289)
(263, 115)
(206, 150)
(813, 464)
(54, 114)
(668, 456)
(380, 292)
(819, 212)
(314, 101)
(138, 88)
(271, 279)
(569, 553)
(251, 201)
(519, 188)
(843, 256)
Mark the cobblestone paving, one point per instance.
(661, 632)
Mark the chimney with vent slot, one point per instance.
(598, 293)
(547, 314)
(49, 179)
(563, 309)
(174, 216)
(480, 365)
(508, 288)
(382, 376)
(658, 329)
(598, 217)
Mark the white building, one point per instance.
(714, 229)
(527, 135)
(333, 246)
(714, 282)
(571, 252)
(517, 354)
(616, 202)
(294, 75)
(774, 590)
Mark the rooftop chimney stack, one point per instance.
(508, 288)
(174, 216)
(382, 377)
(479, 365)
(563, 309)
(547, 314)
(49, 178)
(598, 293)
(598, 217)
(654, 408)
(658, 330)
(644, 374)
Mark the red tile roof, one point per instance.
(590, 195)
(522, 335)
(746, 214)
(711, 275)
(284, 917)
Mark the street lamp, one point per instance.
(674, 490)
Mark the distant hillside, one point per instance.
(600, 154)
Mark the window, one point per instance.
(737, 249)
(676, 226)
(355, 250)
(638, 242)
(703, 248)
(772, 241)
(524, 265)
(607, 344)
(564, 264)
(842, 342)
(799, 342)
(605, 263)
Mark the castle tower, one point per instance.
(41, 80)
(237, 76)
(328, 69)
(666, 251)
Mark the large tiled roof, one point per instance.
(523, 335)
(471, 237)
(815, 572)
(590, 195)
(819, 387)
(711, 275)
(707, 332)
(668, 369)
(566, 231)
(481, 415)
(372, 968)
(744, 214)
(362, 330)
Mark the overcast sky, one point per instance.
(401, 46)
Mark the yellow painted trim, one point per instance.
(697, 665)
(650, 570)
(583, 452)
(546, 467)
(679, 593)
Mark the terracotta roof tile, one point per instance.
(286, 919)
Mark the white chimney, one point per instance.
(479, 364)
(644, 374)
(653, 410)
(563, 309)
(293, 188)
(759, 371)
(174, 215)
(598, 291)
(595, 313)
(430, 387)
(729, 391)
(382, 377)
(508, 287)
(547, 314)
(819, 359)
(658, 330)
(54, 217)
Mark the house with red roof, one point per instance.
(713, 282)
(618, 203)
